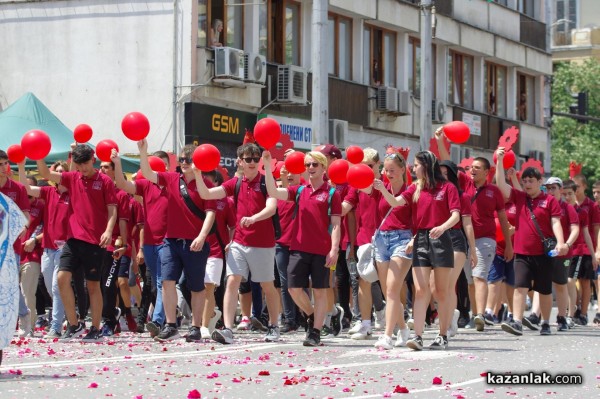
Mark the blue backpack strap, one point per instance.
(300, 188)
(331, 192)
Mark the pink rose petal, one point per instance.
(93, 385)
(194, 394)
(437, 381)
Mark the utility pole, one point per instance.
(426, 83)
(320, 82)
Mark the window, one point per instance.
(279, 31)
(566, 20)
(495, 89)
(339, 33)
(527, 7)
(525, 98)
(502, 2)
(460, 79)
(414, 67)
(220, 25)
(380, 57)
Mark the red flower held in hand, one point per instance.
(400, 389)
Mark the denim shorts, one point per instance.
(391, 243)
(501, 270)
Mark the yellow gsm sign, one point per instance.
(225, 124)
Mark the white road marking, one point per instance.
(431, 389)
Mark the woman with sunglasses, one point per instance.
(436, 208)
(392, 252)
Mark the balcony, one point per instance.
(533, 32)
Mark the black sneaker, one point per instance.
(224, 336)
(532, 322)
(488, 319)
(336, 321)
(562, 323)
(463, 321)
(73, 332)
(310, 322)
(94, 335)
(153, 328)
(512, 327)
(415, 343)
(545, 329)
(257, 324)
(313, 338)
(583, 320)
(168, 333)
(597, 318)
(193, 335)
(326, 332)
(288, 327)
(439, 343)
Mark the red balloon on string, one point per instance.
(135, 126)
(458, 132)
(36, 144)
(355, 154)
(267, 132)
(360, 176)
(15, 153)
(104, 149)
(82, 133)
(338, 170)
(206, 157)
(294, 163)
(509, 159)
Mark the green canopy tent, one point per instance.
(28, 113)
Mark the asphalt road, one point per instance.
(134, 366)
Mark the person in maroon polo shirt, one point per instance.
(532, 265)
(436, 208)
(91, 223)
(252, 251)
(313, 251)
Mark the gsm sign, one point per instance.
(225, 124)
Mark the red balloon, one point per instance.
(157, 164)
(206, 157)
(294, 163)
(139, 175)
(457, 132)
(509, 159)
(104, 148)
(82, 133)
(267, 132)
(360, 176)
(135, 126)
(338, 170)
(36, 144)
(15, 153)
(354, 154)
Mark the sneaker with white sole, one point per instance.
(355, 327)
(453, 329)
(439, 343)
(94, 335)
(384, 342)
(415, 343)
(25, 328)
(380, 319)
(363, 332)
(224, 336)
(410, 323)
(168, 333)
(273, 334)
(479, 322)
(244, 324)
(205, 332)
(213, 321)
(403, 336)
(52, 334)
(73, 331)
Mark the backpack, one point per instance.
(331, 192)
(263, 189)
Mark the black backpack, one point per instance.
(263, 189)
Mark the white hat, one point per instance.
(554, 180)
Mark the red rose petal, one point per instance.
(437, 381)
(194, 394)
(400, 389)
(93, 385)
(287, 382)
(264, 372)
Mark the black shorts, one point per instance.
(80, 254)
(582, 268)
(124, 263)
(459, 241)
(433, 252)
(304, 265)
(560, 270)
(536, 269)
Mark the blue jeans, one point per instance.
(153, 264)
(282, 257)
(50, 262)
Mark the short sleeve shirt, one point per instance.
(434, 206)
(156, 200)
(56, 216)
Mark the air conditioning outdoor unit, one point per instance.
(387, 99)
(338, 129)
(291, 84)
(438, 111)
(229, 63)
(404, 100)
(255, 68)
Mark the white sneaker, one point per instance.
(403, 337)
(205, 333)
(380, 319)
(411, 323)
(244, 324)
(384, 342)
(213, 322)
(363, 332)
(355, 328)
(453, 329)
(25, 328)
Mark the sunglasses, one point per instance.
(313, 164)
(187, 160)
(251, 159)
(395, 156)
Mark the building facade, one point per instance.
(575, 30)
(206, 70)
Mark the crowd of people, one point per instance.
(283, 251)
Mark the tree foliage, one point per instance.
(571, 140)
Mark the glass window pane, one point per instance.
(292, 34)
(367, 56)
(389, 71)
(450, 79)
(468, 82)
(345, 49)
(331, 46)
(418, 71)
(263, 30)
(501, 95)
(202, 23)
(235, 26)
(530, 99)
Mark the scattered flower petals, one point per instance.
(194, 394)
(93, 385)
(15, 372)
(489, 391)
(437, 381)
(264, 372)
(400, 389)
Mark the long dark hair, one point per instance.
(433, 173)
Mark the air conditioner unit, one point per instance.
(404, 100)
(438, 111)
(455, 154)
(291, 84)
(229, 63)
(255, 68)
(387, 99)
(338, 129)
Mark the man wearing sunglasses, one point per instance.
(252, 251)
